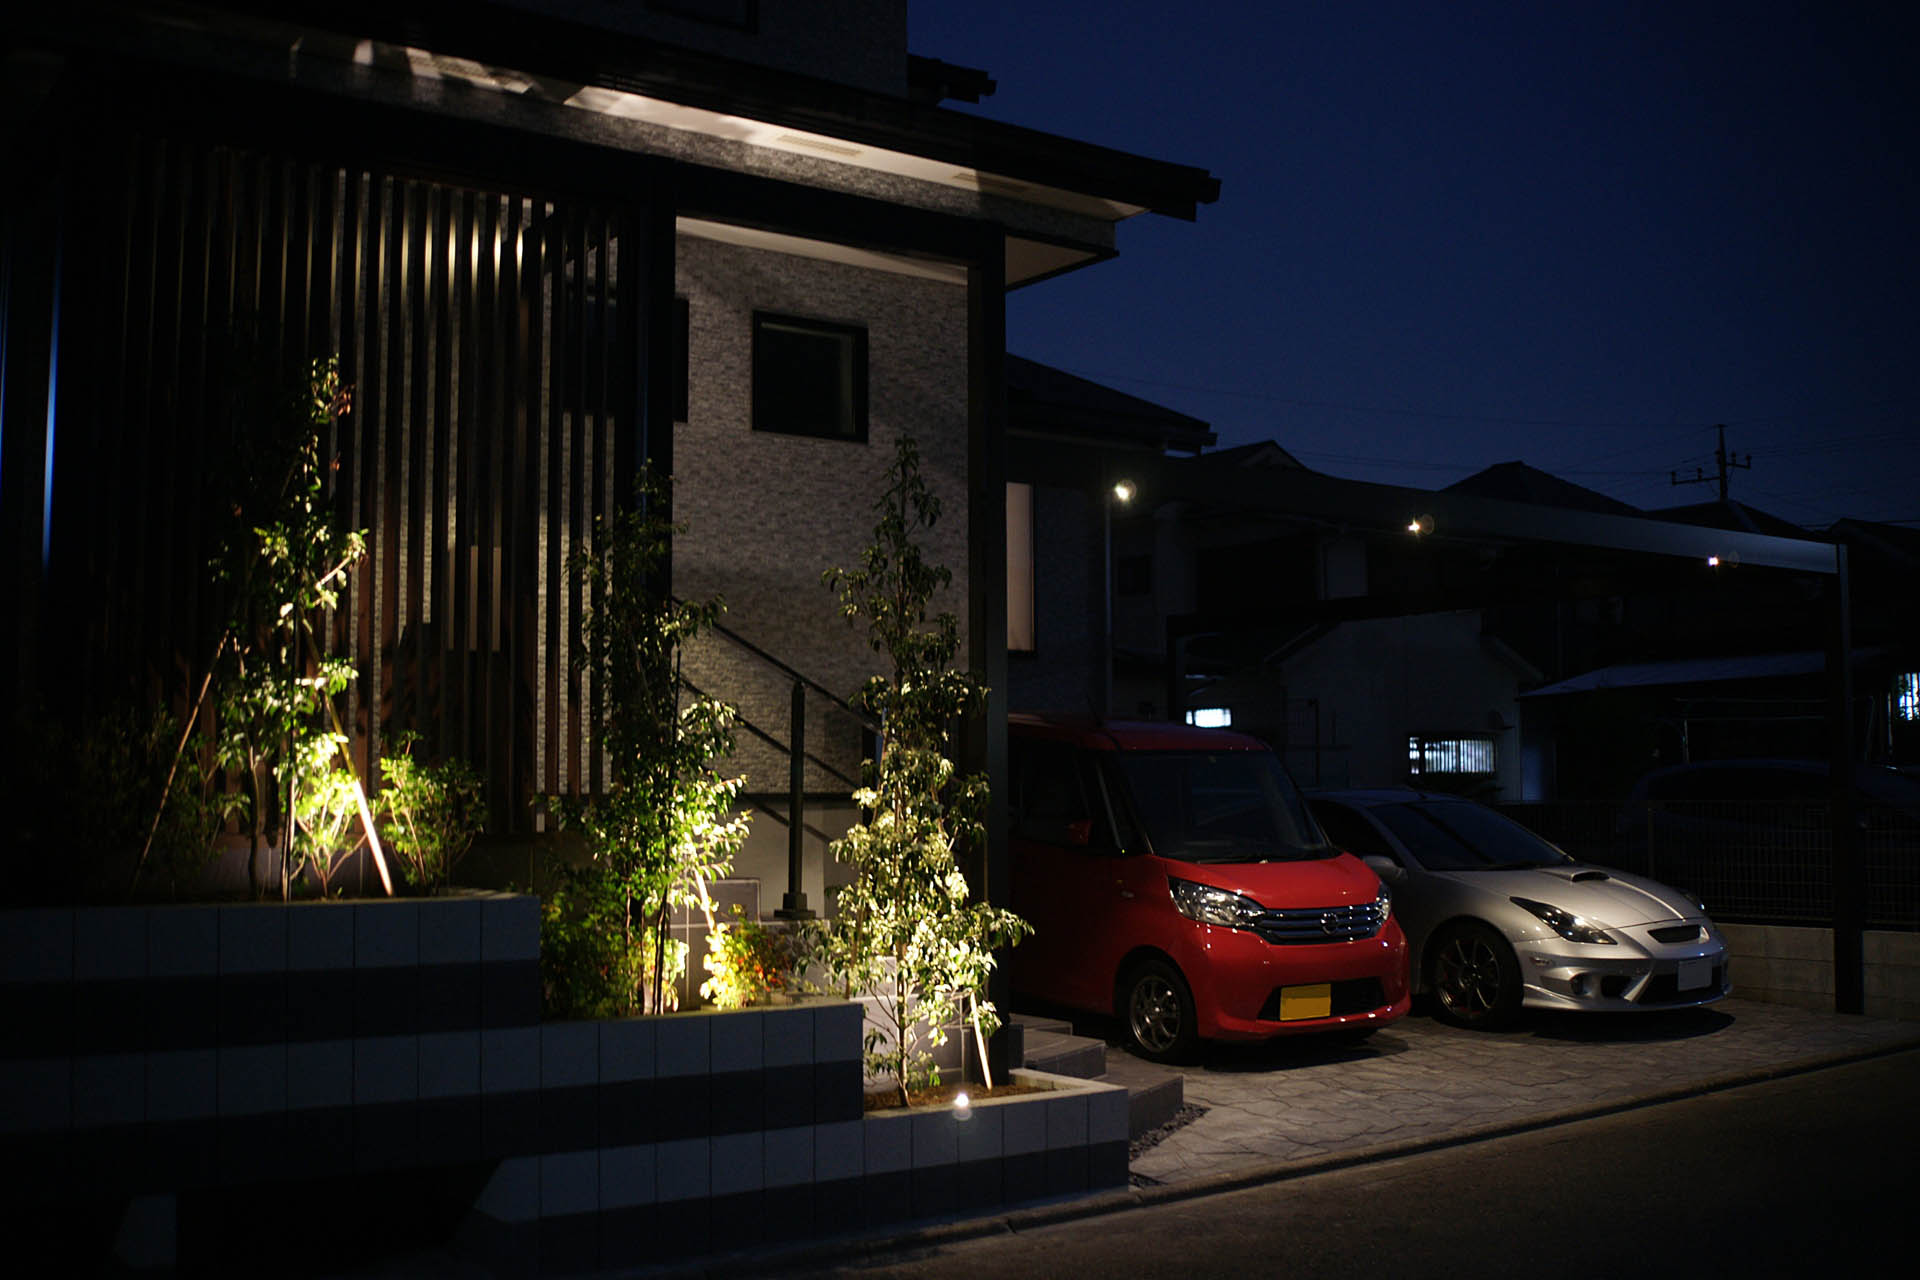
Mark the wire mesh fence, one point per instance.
(1760, 863)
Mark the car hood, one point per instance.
(1309, 882)
(1597, 894)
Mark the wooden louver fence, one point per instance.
(480, 332)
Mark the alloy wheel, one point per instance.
(1473, 978)
(1155, 1013)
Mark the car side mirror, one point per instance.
(1384, 867)
(1080, 834)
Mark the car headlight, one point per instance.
(1209, 905)
(1382, 906)
(1565, 923)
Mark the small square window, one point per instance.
(1211, 717)
(809, 377)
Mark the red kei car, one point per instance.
(1174, 878)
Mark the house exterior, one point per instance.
(550, 243)
(1070, 534)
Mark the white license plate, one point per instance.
(1695, 974)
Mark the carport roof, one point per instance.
(1629, 675)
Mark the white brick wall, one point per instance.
(766, 513)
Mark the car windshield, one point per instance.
(1220, 806)
(1458, 835)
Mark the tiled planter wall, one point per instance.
(785, 1155)
(166, 1052)
(161, 1050)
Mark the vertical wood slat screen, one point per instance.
(477, 330)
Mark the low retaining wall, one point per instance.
(174, 1077)
(1783, 964)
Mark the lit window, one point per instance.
(809, 377)
(1906, 695)
(1449, 755)
(1211, 717)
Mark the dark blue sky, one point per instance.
(1451, 235)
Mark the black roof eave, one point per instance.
(542, 45)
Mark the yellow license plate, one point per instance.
(1315, 1001)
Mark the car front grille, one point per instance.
(1320, 924)
(1677, 933)
(1664, 988)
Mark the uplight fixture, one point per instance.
(962, 1106)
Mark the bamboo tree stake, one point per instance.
(360, 803)
(173, 770)
(973, 1011)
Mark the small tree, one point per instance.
(906, 930)
(284, 561)
(664, 825)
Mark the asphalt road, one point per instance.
(1812, 1175)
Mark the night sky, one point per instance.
(1451, 235)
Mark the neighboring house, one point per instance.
(550, 243)
(1374, 648)
(1736, 666)
(1069, 534)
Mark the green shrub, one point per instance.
(430, 814)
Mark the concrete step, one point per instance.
(1065, 1054)
(1154, 1093)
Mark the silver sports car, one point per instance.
(1497, 918)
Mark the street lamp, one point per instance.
(1120, 493)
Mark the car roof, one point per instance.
(1368, 797)
(1128, 735)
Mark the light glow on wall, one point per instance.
(1020, 626)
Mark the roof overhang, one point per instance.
(619, 74)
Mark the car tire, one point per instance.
(1475, 977)
(1156, 1007)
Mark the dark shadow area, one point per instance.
(1295, 1052)
(270, 1227)
(1625, 1028)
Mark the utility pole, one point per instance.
(1724, 461)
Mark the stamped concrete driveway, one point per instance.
(1421, 1081)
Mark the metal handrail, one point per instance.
(721, 629)
(772, 741)
(794, 903)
